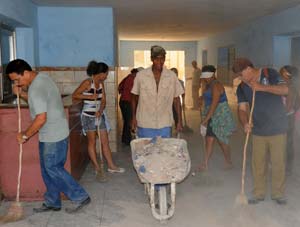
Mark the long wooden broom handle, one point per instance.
(246, 144)
(98, 125)
(20, 149)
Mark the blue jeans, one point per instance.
(53, 156)
(153, 132)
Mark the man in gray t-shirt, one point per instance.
(44, 97)
(49, 120)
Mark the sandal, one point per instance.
(117, 170)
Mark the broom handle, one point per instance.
(246, 144)
(98, 126)
(184, 117)
(21, 149)
(99, 138)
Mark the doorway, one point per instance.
(226, 57)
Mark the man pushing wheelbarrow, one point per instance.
(154, 91)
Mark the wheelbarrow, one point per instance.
(160, 163)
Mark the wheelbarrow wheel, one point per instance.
(162, 200)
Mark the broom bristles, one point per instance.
(101, 177)
(14, 213)
(241, 199)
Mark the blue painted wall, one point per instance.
(281, 51)
(26, 48)
(254, 40)
(18, 12)
(126, 51)
(71, 36)
(22, 15)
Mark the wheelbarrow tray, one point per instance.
(163, 162)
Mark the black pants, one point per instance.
(126, 114)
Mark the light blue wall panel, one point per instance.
(70, 36)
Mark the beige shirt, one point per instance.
(154, 108)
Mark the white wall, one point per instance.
(254, 40)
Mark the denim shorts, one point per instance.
(89, 123)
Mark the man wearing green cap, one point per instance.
(153, 93)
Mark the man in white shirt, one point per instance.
(153, 93)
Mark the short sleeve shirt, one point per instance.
(154, 109)
(269, 117)
(44, 97)
(127, 86)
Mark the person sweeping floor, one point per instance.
(49, 121)
(269, 126)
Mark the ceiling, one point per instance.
(184, 20)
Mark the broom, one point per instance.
(100, 174)
(242, 198)
(186, 128)
(15, 212)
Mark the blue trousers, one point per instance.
(153, 132)
(53, 156)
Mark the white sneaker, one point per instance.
(118, 170)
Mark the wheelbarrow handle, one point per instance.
(135, 134)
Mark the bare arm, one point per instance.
(177, 105)
(281, 89)
(134, 102)
(103, 100)
(35, 126)
(243, 114)
(77, 94)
